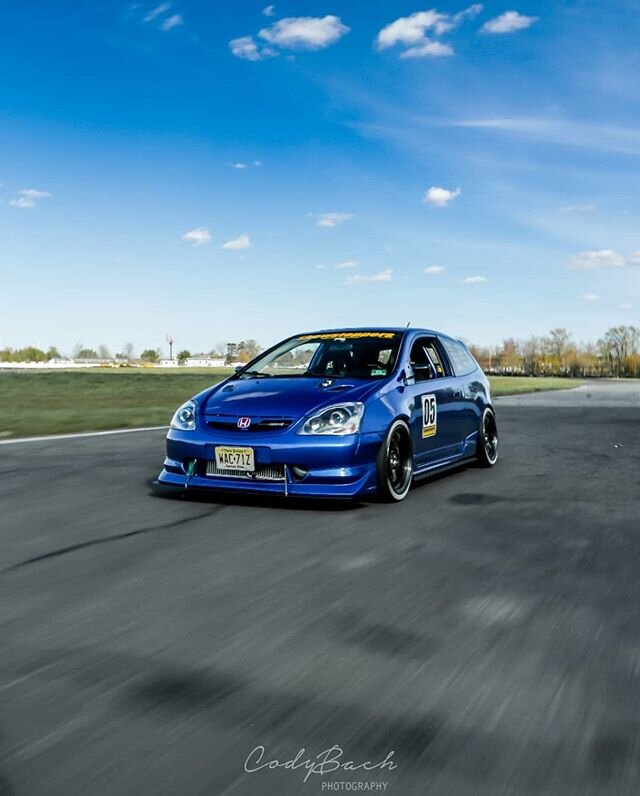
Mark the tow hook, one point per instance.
(191, 468)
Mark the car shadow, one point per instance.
(254, 500)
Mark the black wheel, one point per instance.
(395, 463)
(488, 439)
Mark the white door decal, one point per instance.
(429, 416)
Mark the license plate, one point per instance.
(233, 458)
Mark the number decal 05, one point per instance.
(429, 416)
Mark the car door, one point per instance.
(464, 367)
(435, 429)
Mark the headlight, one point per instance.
(340, 419)
(185, 418)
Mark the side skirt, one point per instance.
(440, 467)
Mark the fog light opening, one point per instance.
(299, 472)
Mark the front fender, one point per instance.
(392, 402)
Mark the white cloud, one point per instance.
(508, 22)
(29, 197)
(358, 279)
(440, 197)
(321, 267)
(240, 165)
(157, 11)
(305, 33)
(33, 193)
(347, 264)
(411, 32)
(291, 33)
(601, 259)
(269, 11)
(433, 49)
(474, 280)
(625, 306)
(169, 22)
(434, 269)
(331, 219)
(22, 201)
(564, 132)
(238, 244)
(590, 297)
(469, 13)
(245, 47)
(198, 236)
(173, 21)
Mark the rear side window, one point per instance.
(461, 359)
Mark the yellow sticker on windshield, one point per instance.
(349, 336)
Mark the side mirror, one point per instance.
(424, 371)
(238, 368)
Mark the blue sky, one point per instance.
(220, 171)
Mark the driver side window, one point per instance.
(425, 360)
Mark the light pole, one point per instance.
(171, 340)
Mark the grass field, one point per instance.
(57, 402)
(512, 385)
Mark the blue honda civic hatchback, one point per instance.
(349, 413)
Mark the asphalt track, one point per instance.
(487, 630)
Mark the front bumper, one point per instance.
(334, 466)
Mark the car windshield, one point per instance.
(356, 355)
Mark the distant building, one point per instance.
(204, 361)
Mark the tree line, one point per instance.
(244, 351)
(617, 354)
(80, 352)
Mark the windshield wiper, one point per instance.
(256, 374)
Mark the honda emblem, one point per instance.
(244, 422)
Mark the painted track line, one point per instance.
(80, 435)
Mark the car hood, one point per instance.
(283, 397)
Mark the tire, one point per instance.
(395, 463)
(487, 439)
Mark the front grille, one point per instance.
(225, 423)
(263, 472)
